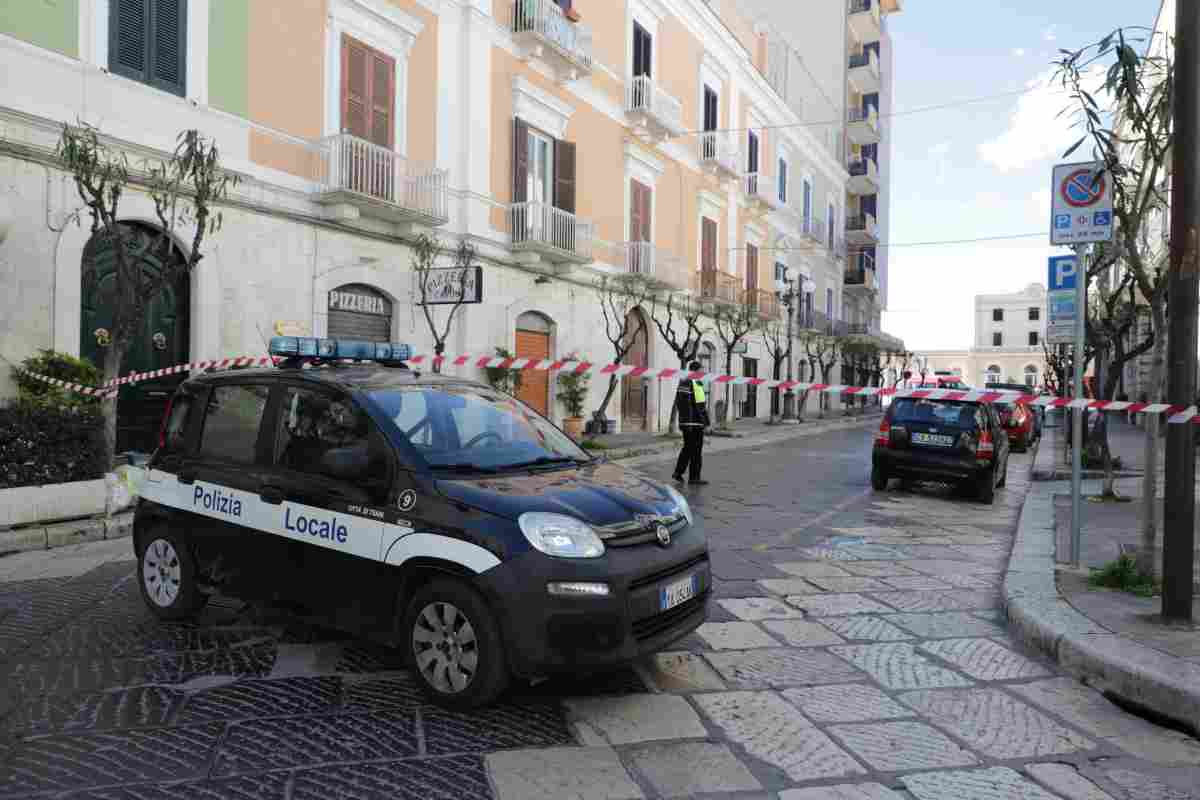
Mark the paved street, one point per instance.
(855, 651)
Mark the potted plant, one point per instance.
(503, 380)
(572, 391)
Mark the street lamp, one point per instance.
(785, 290)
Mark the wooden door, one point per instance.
(535, 383)
(634, 392)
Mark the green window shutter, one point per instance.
(147, 42)
(128, 42)
(168, 45)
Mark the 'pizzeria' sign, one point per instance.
(360, 302)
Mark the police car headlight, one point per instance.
(560, 535)
(681, 503)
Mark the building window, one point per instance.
(806, 204)
(1031, 375)
(997, 315)
(368, 93)
(752, 154)
(147, 42)
(708, 245)
(751, 267)
(829, 303)
(1033, 339)
(997, 339)
(1035, 313)
(830, 219)
(543, 168)
(642, 51)
(783, 180)
(780, 271)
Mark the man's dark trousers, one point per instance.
(691, 455)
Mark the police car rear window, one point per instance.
(231, 423)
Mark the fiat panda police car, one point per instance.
(431, 513)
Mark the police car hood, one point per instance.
(599, 494)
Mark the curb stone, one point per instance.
(1041, 618)
(49, 537)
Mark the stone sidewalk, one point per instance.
(1111, 640)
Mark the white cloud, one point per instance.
(939, 150)
(1036, 131)
(1019, 52)
(1040, 200)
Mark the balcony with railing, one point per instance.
(358, 178)
(813, 235)
(762, 191)
(864, 176)
(862, 126)
(711, 285)
(652, 109)
(541, 30)
(656, 265)
(861, 229)
(762, 302)
(863, 19)
(820, 322)
(863, 72)
(556, 235)
(860, 273)
(719, 154)
(838, 251)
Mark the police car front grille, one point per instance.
(662, 574)
(661, 623)
(630, 534)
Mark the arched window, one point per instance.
(1031, 375)
(993, 374)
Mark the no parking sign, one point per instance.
(1081, 206)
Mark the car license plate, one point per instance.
(676, 593)
(936, 439)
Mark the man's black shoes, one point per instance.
(677, 478)
(697, 482)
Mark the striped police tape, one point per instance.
(1177, 414)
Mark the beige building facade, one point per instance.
(566, 140)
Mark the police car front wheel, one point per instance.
(455, 645)
(167, 576)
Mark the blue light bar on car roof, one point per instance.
(309, 347)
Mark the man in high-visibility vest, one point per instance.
(693, 419)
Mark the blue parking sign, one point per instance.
(1102, 218)
(1062, 221)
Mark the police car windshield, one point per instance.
(455, 426)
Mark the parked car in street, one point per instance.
(1039, 412)
(429, 513)
(949, 441)
(1019, 421)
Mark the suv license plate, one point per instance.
(937, 439)
(673, 594)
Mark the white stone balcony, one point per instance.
(652, 109)
(356, 178)
(557, 236)
(864, 176)
(719, 154)
(862, 16)
(862, 127)
(863, 72)
(861, 230)
(541, 30)
(762, 191)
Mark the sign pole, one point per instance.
(1078, 427)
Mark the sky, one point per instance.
(978, 170)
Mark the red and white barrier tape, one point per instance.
(91, 391)
(1177, 414)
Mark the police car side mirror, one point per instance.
(346, 463)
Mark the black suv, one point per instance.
(952, 441)
(434, 514)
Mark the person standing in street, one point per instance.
(693, 419)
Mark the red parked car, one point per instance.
(1018, 419)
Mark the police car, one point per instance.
(431, 513)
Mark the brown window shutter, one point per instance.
(751, 267)
(355, 88)
(647, 210)
(383, 99)
(564, 176)
(520, 160)
(708, 244)
(635, 211)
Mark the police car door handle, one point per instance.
(271, 494)
(186, 475)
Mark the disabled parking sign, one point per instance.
(1081, 205)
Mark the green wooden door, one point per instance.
(161, 340)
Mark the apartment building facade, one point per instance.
(565, 140)
(1010, 332)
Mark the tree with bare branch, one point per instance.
(1132, 136)
(823, 351)
(775, 341)
(186, 188)
(619, 296)
(679, 323)
(733, 324)
(449, 285)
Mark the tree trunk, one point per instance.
(728, 389)
(112, 370)
(438, 349)
(672, 424)
(602, 412)
(1146, 558)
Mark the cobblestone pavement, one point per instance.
(855, 650)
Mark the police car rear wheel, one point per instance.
(166, 575)
(455, 645)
